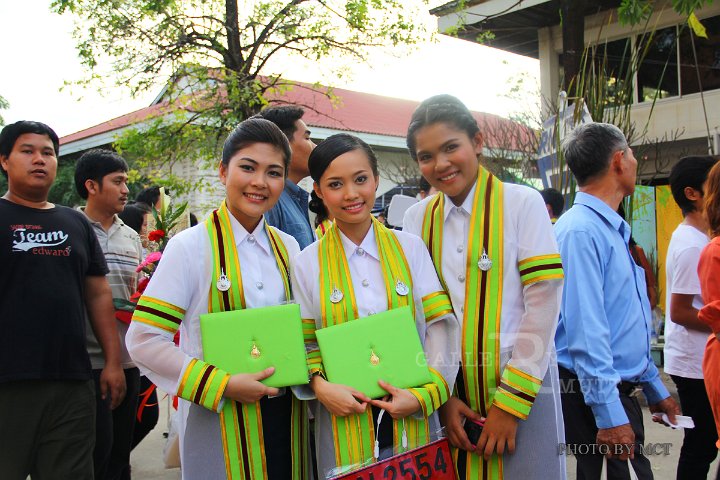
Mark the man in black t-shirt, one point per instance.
(52, 271)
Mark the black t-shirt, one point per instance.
(45, 256)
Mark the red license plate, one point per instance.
(432, 461)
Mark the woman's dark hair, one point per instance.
(317, 206)
(133, 216)
(334, 146)
(149, 196)
(440, 109)
(256, 130)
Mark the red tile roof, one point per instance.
(116, 123)
(348, 110)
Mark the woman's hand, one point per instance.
(399, 404)
(453, 414)
(246, 387)
(498, 434)
(340, 400)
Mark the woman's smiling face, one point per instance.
(347, 187)
(448, 158)
(254, 178)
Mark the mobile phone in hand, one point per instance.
(473, 429)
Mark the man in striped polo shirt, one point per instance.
(101, 178)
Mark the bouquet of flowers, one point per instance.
(166, 221)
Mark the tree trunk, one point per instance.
(233, 59)
(573, 30)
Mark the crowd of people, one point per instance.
(535, 323)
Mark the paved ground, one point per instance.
(147, 457)
(663, 465)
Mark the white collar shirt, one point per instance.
(527, 232)
(441, 336)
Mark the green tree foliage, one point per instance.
(633, 12)
(215, 56)
(63, 191)
(4, 105)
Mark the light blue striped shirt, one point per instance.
(604, 331)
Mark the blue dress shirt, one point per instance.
(604, 331)
(290, 214)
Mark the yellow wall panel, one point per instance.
(668, 217)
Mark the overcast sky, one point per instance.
(37, 54)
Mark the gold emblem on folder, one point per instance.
(374, 359)
(255, 352)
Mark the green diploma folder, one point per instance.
(251, 340)
(385, 346)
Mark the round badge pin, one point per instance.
(223, 282)
(401, 288)
(336, 295)
(484, 263)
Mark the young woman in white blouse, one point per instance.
(232, 426)
(359, 268)
(494, 250)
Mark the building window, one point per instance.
(657, 76)
(610, 67)
(708, 58)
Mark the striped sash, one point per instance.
(483, 304)
(242, 424)
(354, 435)
(323, 228)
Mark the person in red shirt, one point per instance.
(708, 272)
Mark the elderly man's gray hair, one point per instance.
(589, 148)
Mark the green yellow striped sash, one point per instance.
(483, 302)
(242, 424)
(321, 229)
(516, 390)
(354, 435)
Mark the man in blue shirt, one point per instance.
(603, 338)
(290, 214)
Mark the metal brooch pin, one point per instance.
(484, 263)
(255, 351)
(401, 288)
(336, 295)
(223, 282)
